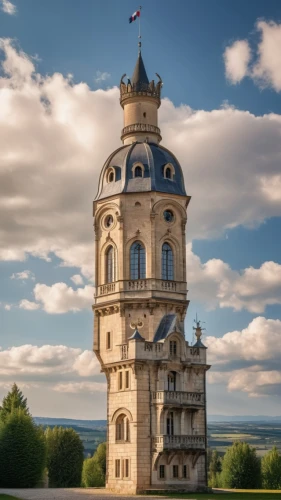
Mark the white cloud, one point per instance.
(28, 305)
(77, 279)
(102, 76)
(74, 129)
(8, 7)
(23, 275)
(265, 70)
(248, 360)
(47, 361)
(215, 284)
(86, 364)
(236, 60)
(8, 307)
(80, 387)
(59, 298)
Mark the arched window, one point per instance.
(167, 262)
(122, 428)
(168, 173)
(137, 261)
(138, 172)
(172, 377)
(110, 265)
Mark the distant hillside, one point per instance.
(69, 422)
(243, 418)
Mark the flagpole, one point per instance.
(139, 44)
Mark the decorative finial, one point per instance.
(198, 328)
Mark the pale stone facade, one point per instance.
(156, 407)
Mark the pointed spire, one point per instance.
(139, 78)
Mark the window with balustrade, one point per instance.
(122, 428)
(137, 261)
(167, 262)
(110, 265)
(170, 423)
(172, 378)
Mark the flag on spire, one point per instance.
(134, 16)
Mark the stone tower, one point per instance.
(156, 399)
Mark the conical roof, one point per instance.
(139, 78)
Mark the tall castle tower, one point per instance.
(156, 400)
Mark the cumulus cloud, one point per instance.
(265, 70)
(77, 279)
(102, 76)
(34, 363)
(28, 305)
(80, 387)
(215, 284)
(23, 275)
(59, 298)
(236, 60)
(8, 7)
(56, 135)
(248, 360)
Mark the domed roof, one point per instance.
(161, 171)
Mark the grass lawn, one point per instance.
(8, 497)
(238, 495)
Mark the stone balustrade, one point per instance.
(165, 442)
(140, 127)
(178, 397)
(149, 284)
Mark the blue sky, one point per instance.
(221, 115)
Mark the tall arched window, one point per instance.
(122, 428)
(110, 265)
(172, 376)
(167, 262)
(137, 261)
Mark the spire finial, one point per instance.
(139, 37)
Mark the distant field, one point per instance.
(262, 435)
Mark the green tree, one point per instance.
(241, 467)
(214, 470)
(64, 457)
(271, 470)
(13, 401)
(22, 451)
(94, 468)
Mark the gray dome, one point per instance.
(153, 158)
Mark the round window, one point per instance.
(168, 216)
(108, 221)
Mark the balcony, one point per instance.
(144, 285)
(161, 443)
(178, 398)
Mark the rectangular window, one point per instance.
(173, 347)
(185, 472)
(126, 468)
(120, 381)
(175, 471)
(127, 379)
(162, 472)
(170, 424)
(117, 468)
(108, 340)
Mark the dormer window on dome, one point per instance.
(169, 171)
(110, 175)
(138, 170)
